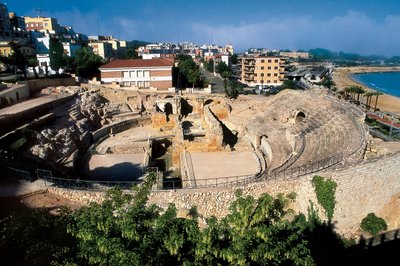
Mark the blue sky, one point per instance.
(364, 26)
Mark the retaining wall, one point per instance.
(37, 85)
(361, 189)
(119, 127)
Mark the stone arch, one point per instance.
(168, 110)
(300, 116)
(168, 96)
(208, 102)
(186, 107)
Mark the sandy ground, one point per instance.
(388, 103)
(223, 165)
(116, 166)
(18, 196)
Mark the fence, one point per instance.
(98, 185)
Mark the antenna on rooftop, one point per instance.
(39, 11)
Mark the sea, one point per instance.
(386, 82)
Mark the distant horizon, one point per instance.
(338, 25)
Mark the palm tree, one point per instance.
(368, 95)
(358, 90)
(377, 93)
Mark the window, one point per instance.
(140, 84)
(133, 74)
(276, 60)
(146, 73)
(147, 84)
(269, 60)
(269, 67)
(126, 74)
(133, 83)
(125, 84)
(275, 67)
(140, 73)
(262, 68)
(263, 61)
(255, 74)
(269, 74)
(275, 74)
(275, 81)
(268, 81)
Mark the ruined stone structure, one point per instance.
(255, 143)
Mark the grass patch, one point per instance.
(16, 145)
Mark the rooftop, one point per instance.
(138, 63)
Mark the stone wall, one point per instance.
(361, 189)
(16, 93)
(37, 85)
(214, 126)
(119, 127)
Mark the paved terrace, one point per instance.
(31, 103)
(220, 167)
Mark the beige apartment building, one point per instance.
(41, 24)
(139, 73)
(261, 70)
(103, 49)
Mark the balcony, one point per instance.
(249, 77)
(249, 69)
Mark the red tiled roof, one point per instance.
(138, 63)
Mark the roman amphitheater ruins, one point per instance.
(205, 146)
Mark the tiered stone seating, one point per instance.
(281, 150)
(335, 134)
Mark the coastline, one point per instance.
(342, 77)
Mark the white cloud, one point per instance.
(353, 32)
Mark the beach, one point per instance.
(342, 77)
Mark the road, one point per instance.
(217, 83)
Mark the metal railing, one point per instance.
(167, 184)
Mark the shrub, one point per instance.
(325, 191)
(373, 224)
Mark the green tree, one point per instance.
(377, 93)
(17, 59)
(253, 233)
(56, 54)
(289, 84)
(209, 65)
(234, 59)
(86, 63)
(222, 68)
(188, 69)
(368, 95)
(36, 237)
(328, 83)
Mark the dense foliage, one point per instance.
(188, 73)
(325, 190)
(126, 230)
(86, 63)
(373, 224)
